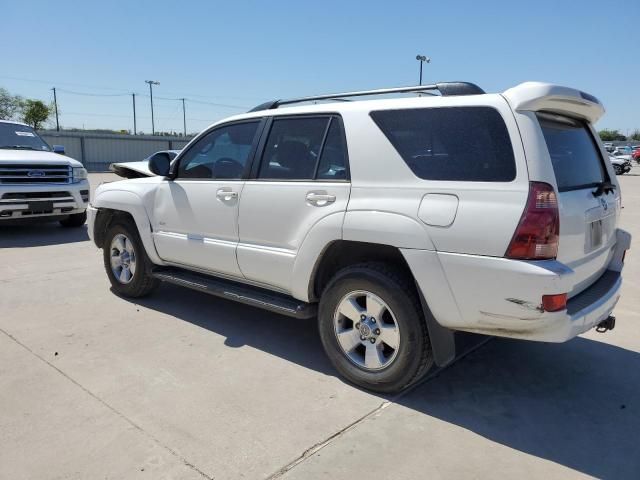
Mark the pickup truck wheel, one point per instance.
(74, 220)
(126, 263)
(373, 329)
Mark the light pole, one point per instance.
(133, 95)
(184, 117)
(151, 83)
(421, 59)
(55, 102)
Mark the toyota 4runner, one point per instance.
(396, 221)
(36, 182)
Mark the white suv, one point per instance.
(38, 183)
(396, 221)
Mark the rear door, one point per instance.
(588, 214)
(302, 182)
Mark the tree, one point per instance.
(608, 135)
(35, 113)
(635, 135)
(9, 105)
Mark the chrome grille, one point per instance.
(26, 197)
(34, 173)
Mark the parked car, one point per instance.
(620, 166)
(608, 146)
(138, 169)
(636, 155)
(38, 182)
(395, 221)
(621, 154)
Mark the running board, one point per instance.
(238, 292)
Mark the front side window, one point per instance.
(14, 136)
(220, 154)
(455, 143)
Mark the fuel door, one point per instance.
(438, 209)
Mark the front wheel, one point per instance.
(373, 329)
(126, 263)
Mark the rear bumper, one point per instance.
(496, 296)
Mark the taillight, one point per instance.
(536, 237)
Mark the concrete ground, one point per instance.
(182, 385)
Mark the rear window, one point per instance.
(574, 153)
(456, 143)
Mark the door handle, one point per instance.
(320, 199)
(226, 195)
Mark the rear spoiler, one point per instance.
(538, 96)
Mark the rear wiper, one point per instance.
(603, 188)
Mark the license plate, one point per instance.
(44, 206)
(596, 234)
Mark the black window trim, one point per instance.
(259, 156)
(502, 182)
(175, 166)
(584, 124)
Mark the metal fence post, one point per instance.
(82, 150)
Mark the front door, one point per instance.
(196, 214)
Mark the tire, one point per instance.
(122, 240)
(74, 220)
(395, 368)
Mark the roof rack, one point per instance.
(446, 89)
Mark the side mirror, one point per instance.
(159, 164)
(58, 149)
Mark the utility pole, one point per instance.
(421, 59)
(151, 83)
(184, 118)
(134, 113)
(55, 104)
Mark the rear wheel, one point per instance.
(74, 220)
(372, 328)
(126, 262)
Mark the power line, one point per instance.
(94, 94)
(180, 102)
(49, 82)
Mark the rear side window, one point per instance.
(304, 148)
(456, 143)
(575, 156)
(333, 161)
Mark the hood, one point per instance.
(131, 169)
(36, 156)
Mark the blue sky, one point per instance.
(241, 53)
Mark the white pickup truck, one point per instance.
(38, 182)
(395, 221)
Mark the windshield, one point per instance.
(20, 137)
(574, 153)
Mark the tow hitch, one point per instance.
(607, 324)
